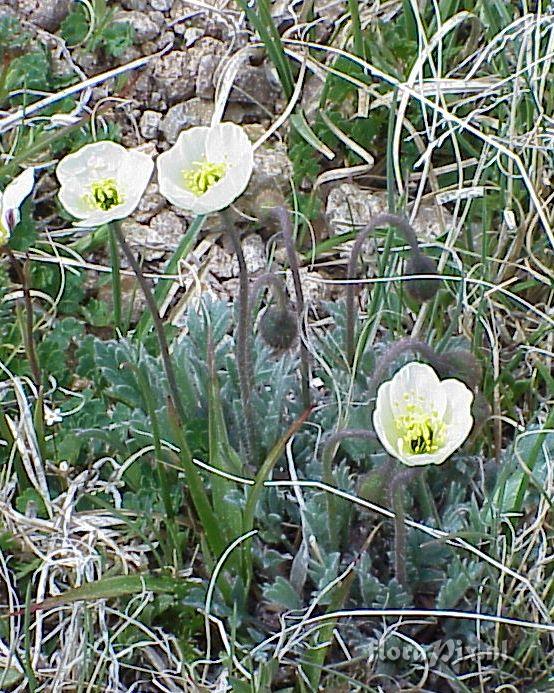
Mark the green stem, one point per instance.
(163, 287)
(158, 325)
(380, 220)
(397, 489)
(243, 342)
(286, 230)
(116, 277)
(329, 452)
(144, 384)
(357, 35)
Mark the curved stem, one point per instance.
(158, 325)
(21, 269)
(393, 352)
(328, 454)
(380, 220)
(277, 286)
(244, 356)
(286, 229)
(116, 279)
(397, 488)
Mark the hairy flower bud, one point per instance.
(279, 327)
(461, 364)
(421, 289)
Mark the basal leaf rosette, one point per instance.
(102, 182)
(420, 419)
(11, 200)
(207, 168)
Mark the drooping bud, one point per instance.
(481, 411)
(460, 364)
(421, 289)
(279, 327)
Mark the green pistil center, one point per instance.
(420, 431)
(104, 195)
(202, 176)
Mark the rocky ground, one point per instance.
(199, 55)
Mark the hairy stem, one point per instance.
(277, 286)
(22, 272)
(393, 352)
(286, 230)
(244, 355)
(158, 325)
(116, 278)
(327, 457)
(397, 488)
(380, 220)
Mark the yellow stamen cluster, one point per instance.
(420, 431)
(104, 195)
(203, 176)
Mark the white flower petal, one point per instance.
(95, 163)
(439, 421)
(224, 143)
(420, 379)
(13, 197)
(229, 143)
(383, 421)
(459, 397)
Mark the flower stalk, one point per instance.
(397, 490)
(286, 230)
(116, 279)
(418, 264)
(329, 452)
(158, 325)
(243, 342)
(278, 325)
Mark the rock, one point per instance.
(191, 35)
(213, 24)
(140, 5)
(313, 288)
(175, 73)
(150, 204)
(254, 254)
(254, 84)
(149, 124)
(46, 15)
(185, 115)
(349, 206)
(161, 5)
(169, 227)
(148, 242)
(205, 87)
(272, 171)
(145, 28)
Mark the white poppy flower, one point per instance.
(207, 168)
(420, 419)
(11, 200)
(102, 182)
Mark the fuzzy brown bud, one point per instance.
(421, 289)
(279, 327)
(460, 364)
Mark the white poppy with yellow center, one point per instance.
(420, 419)
(11, 200)
(102, 182)
(207, 168)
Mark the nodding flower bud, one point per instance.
(460, 364)
(421, 289)
(279, 327)
(481, 411)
